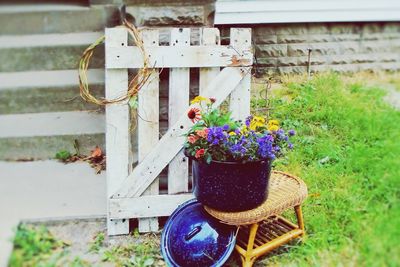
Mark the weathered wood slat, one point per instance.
(171, 143)
(240, 97)
(117, 134)
(148, 125)
(146, 206)
(178, 57)
(178, 170)
(209, 37)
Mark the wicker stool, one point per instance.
(262, 229)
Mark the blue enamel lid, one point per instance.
(191, 237)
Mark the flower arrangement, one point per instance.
(216, 136)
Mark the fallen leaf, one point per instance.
(97, 153)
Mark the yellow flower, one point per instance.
(244, 129)
(273, 125)
(199, 99)
(257, 122)
(273, 128)
(273, 122)
(232, 133)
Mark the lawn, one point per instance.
(347, 149)
(348, 152)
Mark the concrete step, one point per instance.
(47, 190)
(47, 91)
(39, 19)
(47, 51)
(46, 147)
(49, 124)
(41, 135)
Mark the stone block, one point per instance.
(316, 49)
(168, 15)
(314, 60)
(388, 57)
(391, 27)
(321, 38)
(291, 29)
(346, 37)
(362, 58)
(287, 62)
(349, 47)
(265, 30)
(345, 28)
(265, 39)
(287, 39)
(372, 27)
(375, 46)
(266, 62)
(340, 59)
(318, 28)
(269, 71)
(291, 70)
(295, 50)
(273, 50)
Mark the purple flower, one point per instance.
(225, 127)
(216, 136)
(290, 146)
(238, 149)
(291, 132)
(248, 120)
(265, 147)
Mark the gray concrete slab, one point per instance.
(46, 190)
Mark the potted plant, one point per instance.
(232, 159)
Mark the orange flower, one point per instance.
(192, 138)
(203, 133)
(194, 114)
(199, 153)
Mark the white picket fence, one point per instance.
(134, 193)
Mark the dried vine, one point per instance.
(135, 83)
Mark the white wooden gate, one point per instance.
(133, 193)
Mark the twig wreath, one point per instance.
(136, 82)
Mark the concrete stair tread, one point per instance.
(50, 39)
(50, 78)
(39, 8)
(40, 19)
(51, 123)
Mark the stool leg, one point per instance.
(248, 259)
(299, 215)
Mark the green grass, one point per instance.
(35, 246)
(347, 150)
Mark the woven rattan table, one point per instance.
(263, 229)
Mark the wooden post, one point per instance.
(209, 36)
(117, 129)
(148, 125)
(179, 82)
(240, 97)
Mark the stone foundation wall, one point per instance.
(345, 47)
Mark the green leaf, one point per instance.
(133, 102)
(63, 155)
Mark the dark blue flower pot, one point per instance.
(231, 186)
